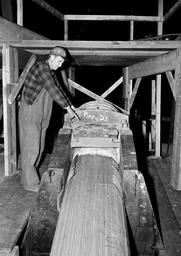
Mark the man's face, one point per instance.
(56, 62)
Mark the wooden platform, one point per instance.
(16, 204)
(166, 203)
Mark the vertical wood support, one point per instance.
(20, 12)
(10, 75)
(158, 89)
(65, 29)
(175, 177)
(126, 89)
(160, 14)
(153, 113)
(131, 30)
(158, 116)
(131, 34)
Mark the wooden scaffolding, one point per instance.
(136, 59)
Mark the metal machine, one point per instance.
(103, 207)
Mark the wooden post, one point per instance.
(10, 74)
(20, 12)
(158, 88)
(175, 177)
(65, 29)
(160, 14)
(126, 85)
(153, 110)
(131, 35)
(158, 116)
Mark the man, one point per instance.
(41, 87)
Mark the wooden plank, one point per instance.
(92, 94)
(72, 44)
(175, 177)
(153, 66)
(141, 218)
(21, 79)
(169, 228)
(160, 14)
(12, 31)
(126, 84)
(134, 92)
(20, 12)
(131, 30)
(66, 30)
(172, 10)
(112, 88)
(10, 73)
(171, 81)
(49, 8)
(152, 134)
(158, 117)
(112, 17)
(15, 207)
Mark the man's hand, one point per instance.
(72, 112)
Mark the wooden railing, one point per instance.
(160, 18)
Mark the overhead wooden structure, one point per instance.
(86, 53)
(128, 55)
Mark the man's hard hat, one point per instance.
(58, 51)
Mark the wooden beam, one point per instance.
(92, 94)
(20, 12)
(172, 10)
(93, 45)
(126, 85)
(160, 14)
(49, 8)
(111, 17)
(134, 92)
(153, 66)
(10, 74)
(21, 79)
(131, 30)
(171, 81)
(175, 177)
(11, 31)
(112, 88)
(158, 117)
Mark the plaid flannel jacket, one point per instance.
(40, 77)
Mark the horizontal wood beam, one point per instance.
(153, 66)
(49, 8)
(111, 17)
(172, 10)
(82, 45)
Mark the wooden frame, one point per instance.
(155, 66)
(130, 18)
(163, 63)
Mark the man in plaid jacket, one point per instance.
(41, 87)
